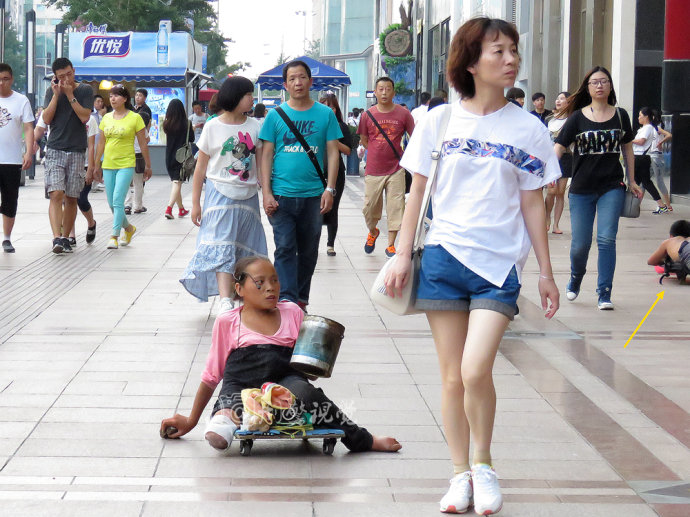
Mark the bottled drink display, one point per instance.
(162, 43)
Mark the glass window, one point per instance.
(439, 42)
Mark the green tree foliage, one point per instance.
(16, 58)
(282, 58)
(223, 72)
(314, 49)
(144, 15)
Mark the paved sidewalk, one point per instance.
(97, 347)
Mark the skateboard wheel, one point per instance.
(329, 446)
(246, 447)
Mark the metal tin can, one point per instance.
(317, 346)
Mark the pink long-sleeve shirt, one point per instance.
(229, 334)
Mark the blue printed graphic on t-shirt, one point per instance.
(513, 155)
(294, 174)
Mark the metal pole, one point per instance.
(59, 39)
(30, 39)
(2, 31)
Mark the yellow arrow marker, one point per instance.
(659, 296)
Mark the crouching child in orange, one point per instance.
(252, 344)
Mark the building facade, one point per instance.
(346, 30)
(560, 40)
(47, 17)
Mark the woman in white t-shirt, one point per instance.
(230, 226)
(488, 211)
(644, 142)
(555, 194)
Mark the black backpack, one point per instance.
(679, 268)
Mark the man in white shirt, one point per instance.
(16, 116)
(99, 110)
(198, 119)
(423, 107)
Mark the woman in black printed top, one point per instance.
(600, 132)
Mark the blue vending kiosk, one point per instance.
(169, 65)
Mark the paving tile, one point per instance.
(380, 468)
(108, 448)
(223, 509)
(258, 465)
(71, 466)
(15, 429)
(72, 508)
(21, 414)
(96, 400)
(102, 415)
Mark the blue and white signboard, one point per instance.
(134, 55)
(101, 45)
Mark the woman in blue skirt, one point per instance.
(230, 224)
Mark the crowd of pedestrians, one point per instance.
(288, 161)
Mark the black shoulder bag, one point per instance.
(185, 157)
(310, 152)
(408, 176)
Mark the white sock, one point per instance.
(5, 237)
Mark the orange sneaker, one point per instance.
(371, 241)
(390, 251)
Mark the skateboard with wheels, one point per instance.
(329, 436)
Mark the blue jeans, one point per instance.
(607, 208)
(296, 233)
(446, 284)
(116, 187)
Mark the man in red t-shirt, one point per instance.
(383, 172)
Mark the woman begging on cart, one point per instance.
(252, 344)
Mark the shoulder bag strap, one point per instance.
(625, 164)
(189, 126)
(435, 158)
(397, 155)
(620, 122)
(310, 152)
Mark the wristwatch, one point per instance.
(331, 190)
(73, 100)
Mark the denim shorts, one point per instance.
(445, 284)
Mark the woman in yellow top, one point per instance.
(117, 132)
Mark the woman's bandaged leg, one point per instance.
(220, 430)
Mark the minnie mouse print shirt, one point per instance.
(596, 151)
(232, 156)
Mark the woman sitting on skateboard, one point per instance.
(252, 344)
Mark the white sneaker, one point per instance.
(487, 493)
(459, 495)
(605, 305)
(226, 304)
